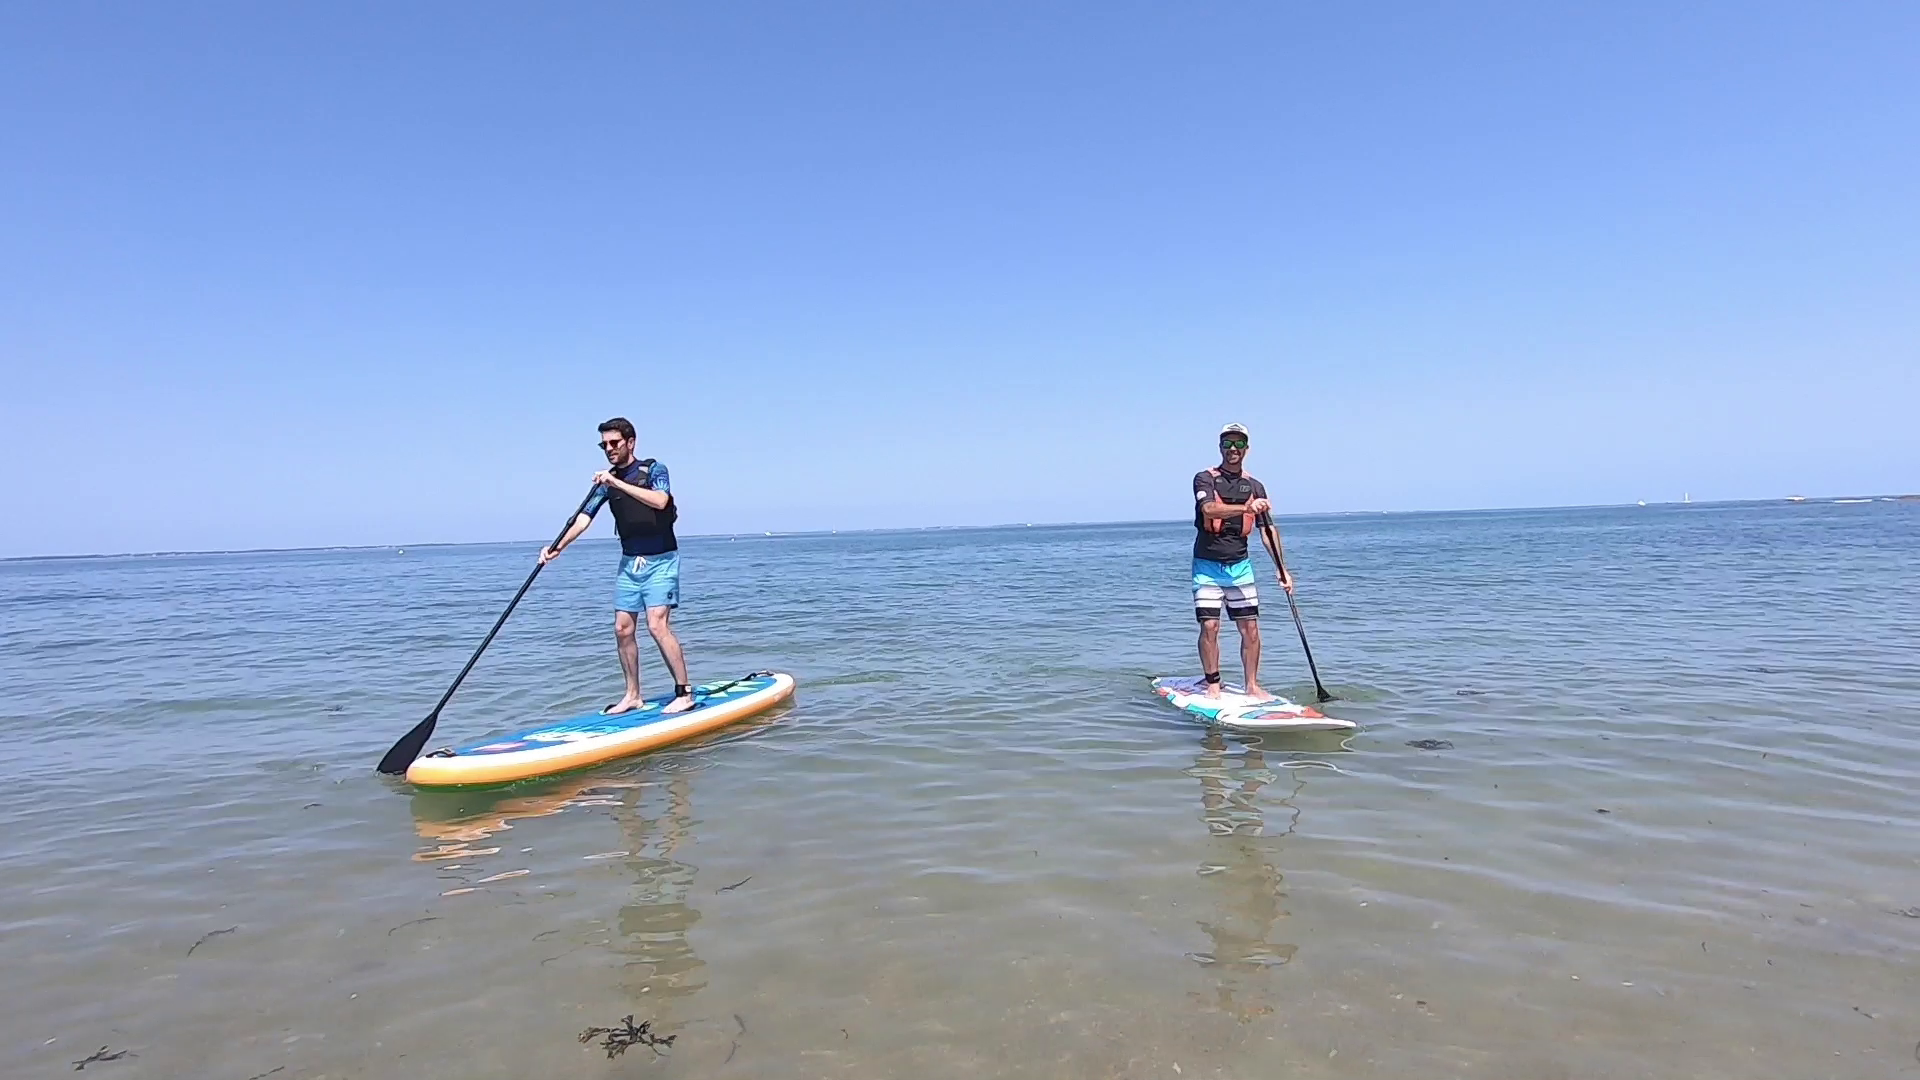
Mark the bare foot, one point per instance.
(678, 705)
(1213, 689)
(1257, 694)
(624, 705)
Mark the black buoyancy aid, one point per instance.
(639, 525)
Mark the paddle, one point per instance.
(1324, 696)
(1273, 548)
(410, 744)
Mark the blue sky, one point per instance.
(307, 274)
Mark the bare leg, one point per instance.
(1210, 652)
(661, 628)
(624, 625)
(1250, 655)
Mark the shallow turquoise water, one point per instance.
(1674, 833)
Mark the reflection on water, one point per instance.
(652, 806)
(464, 826)
(659, 960)
(454, 818)
(1243, 873)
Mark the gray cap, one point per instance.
(1234, 429)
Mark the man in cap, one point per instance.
(1229, 506)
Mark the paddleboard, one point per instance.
(595, 737)
(1235, 709)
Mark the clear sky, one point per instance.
(333, 273)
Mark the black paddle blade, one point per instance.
(409, 747)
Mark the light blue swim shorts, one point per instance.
(647, 581)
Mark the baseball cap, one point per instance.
(1234, 429)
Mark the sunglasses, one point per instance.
(1233, 444)
(614, 445)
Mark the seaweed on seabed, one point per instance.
(102, 1055)
(617, 1039)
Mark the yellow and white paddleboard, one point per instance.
(596, 737)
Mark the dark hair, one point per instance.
(619, 424)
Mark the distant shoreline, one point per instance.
(1818, 500)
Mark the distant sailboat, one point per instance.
(1686, 497)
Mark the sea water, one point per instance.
(1663, 818)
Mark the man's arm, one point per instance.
(656, 499)
(595, 500)
(1211, 508)
(657, 494)
(580, 523)
(1218, 509)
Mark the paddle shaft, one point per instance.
(410, 744)
(1295, 608)
(1280, 567)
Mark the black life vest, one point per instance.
(643, 530)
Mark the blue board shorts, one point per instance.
(647, 581)
(1229, 585)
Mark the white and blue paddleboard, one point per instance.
(1235, 709)
(596, 737)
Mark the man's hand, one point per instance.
(547, 555)
(1286, 580)
(1259, 506)
(604, 478)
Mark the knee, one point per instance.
(623, 625)
(1210, 630)
(658, 624)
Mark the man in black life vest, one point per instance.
(649, 576)
(1229, 506)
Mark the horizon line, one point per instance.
(929, 528)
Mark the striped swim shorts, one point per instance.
(1229, 585)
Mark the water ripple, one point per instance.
(1664, 829)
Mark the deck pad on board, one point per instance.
(593, 725)
(1235, 709)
